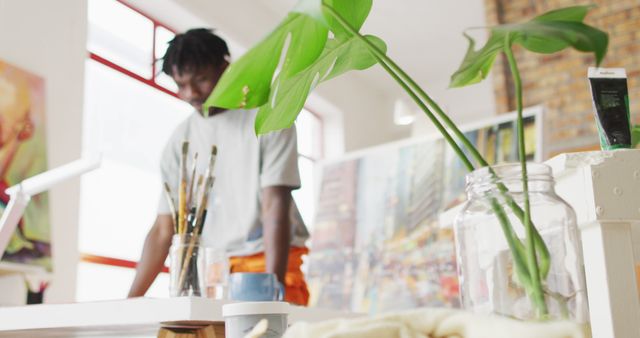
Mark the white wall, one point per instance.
(48, 38)
(367, 118)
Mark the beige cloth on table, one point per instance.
(435, 323)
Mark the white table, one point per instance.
(133, 318)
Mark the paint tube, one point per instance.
(611, 104)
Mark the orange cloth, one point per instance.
(296, 290)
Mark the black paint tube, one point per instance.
(611, 104)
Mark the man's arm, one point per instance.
(154, 253)
(276, 202)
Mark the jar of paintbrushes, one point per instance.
(186, 255)
(186, 280)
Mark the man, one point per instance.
(251, 213)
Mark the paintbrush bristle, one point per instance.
(185, 147)
(212, 161)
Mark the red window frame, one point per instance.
(104, 260)
(152, 59)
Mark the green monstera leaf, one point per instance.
(355, 12)
(289, 94)
(251, 80)
(547, 33)
(247, 83)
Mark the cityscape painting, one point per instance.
(378, 243)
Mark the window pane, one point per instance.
(121, 35)
(105, 282)
(163, 36)
(129, 123)
(305, 196)
(309, 134)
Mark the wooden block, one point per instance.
(206, 332)
(219, 330)
(178, 333)
(209, 331)
(212, 331)
(191, 334)
(162, 333)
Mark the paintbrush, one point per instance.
(196, 193)
(182, 196)
(202, 219)
(172, 206)
(205, 202)
(191, 220)
(212, 161)
(208, 184)
(192, 180)
(209, 179)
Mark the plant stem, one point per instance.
(410, 92)
(515, 246)
(387, 63)
(514, 243)
(537, 294)
(539, 243)
(530, 278)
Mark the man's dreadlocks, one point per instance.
(195, 49)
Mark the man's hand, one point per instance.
(154, 253)
(276, 204)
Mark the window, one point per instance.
(129, 43)
(129, 113)
(309, 130)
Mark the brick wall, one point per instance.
(559, 81)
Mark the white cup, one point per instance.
(240, 318)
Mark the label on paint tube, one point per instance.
(611, 104)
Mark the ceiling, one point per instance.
(424, 36)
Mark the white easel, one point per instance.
(20, 195)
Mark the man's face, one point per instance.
(195, 85)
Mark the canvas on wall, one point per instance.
(22, 155)
(378, 244)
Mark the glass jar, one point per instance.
(489, 282)
(186, 268)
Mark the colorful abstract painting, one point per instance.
(22, 155)
(378, 242)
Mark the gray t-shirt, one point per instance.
(245, 164)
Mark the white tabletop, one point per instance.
(138, 317)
